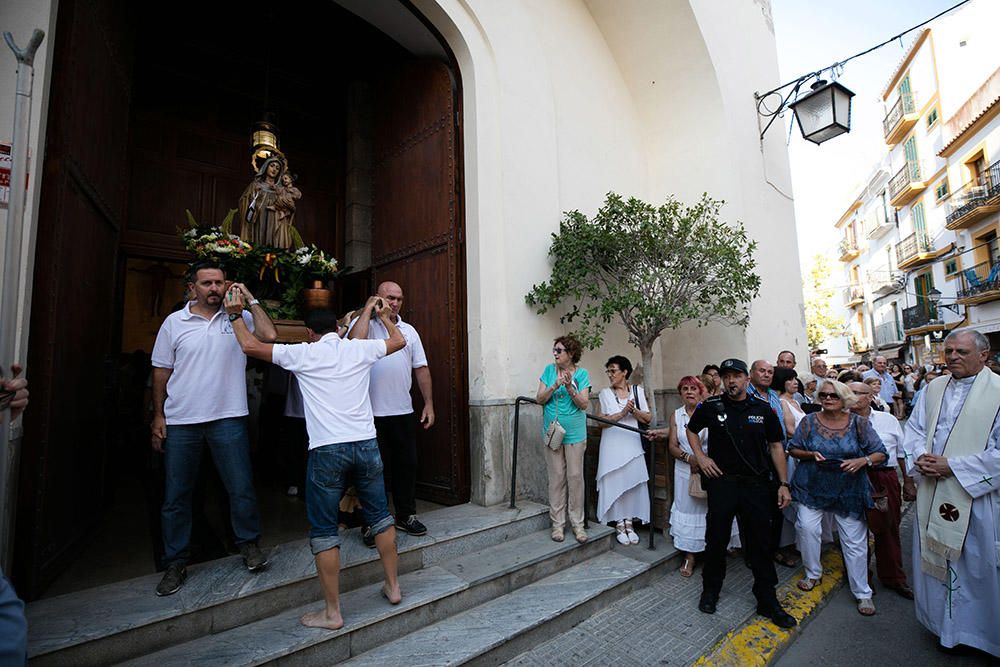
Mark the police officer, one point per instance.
(744, 466)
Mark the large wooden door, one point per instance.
(73, 318)
(418, 243)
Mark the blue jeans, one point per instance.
(230, 449)
(328, 473)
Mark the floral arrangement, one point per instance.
(214, 243)
(315, 262)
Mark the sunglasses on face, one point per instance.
(827, 396)
(558, 350)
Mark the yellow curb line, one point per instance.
(758, 641)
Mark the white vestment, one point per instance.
(966, 610)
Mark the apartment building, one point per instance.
(919, 242)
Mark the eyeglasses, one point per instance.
(558, 350)
(827, 396)
(612, 371)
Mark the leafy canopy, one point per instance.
(821, 322)
(654, 267)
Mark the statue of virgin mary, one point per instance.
(257, 212)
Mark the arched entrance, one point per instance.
(146, 122)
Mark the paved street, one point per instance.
(839, 635)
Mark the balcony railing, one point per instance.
(848, 247)
(904, 105)
(920, 315)
(974, 195)
(881, 223)
(888, 334)
(980, 280)
(910, 173)
(859, 344)
(883, 280)
(912, 246)
(854, 294)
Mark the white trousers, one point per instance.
(853, 543)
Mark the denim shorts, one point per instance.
(330, 470)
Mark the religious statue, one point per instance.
(285, 235)
(258, 217)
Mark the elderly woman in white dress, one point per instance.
(621, 469)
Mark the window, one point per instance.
(919, 225)
(941, 191)
(932, 117)
(952, 267)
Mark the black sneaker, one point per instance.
(253, 557)
(368, 537)
(707, 602)
(778, 616)
(411, 526)
(172, 580)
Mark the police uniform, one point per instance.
(739, 437)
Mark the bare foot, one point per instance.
(394, 596)
(320, 619)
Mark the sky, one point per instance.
(810, 35)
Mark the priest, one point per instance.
(952, 446)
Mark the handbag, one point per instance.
(555, 433)
(642, 426)
(695, 489)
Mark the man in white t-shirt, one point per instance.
(333, 376)
(199, 397)
(884, 523)
(393, 407)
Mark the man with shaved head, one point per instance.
(952, 446)
(395, 423)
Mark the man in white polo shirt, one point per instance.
(884, 521)
(392, 406)
(333, 376)
(200, 396)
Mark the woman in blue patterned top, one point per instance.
(833, 447)
(564, 390)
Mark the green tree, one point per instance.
(819, 296)
(651, 267)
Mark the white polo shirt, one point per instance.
(333, 375)
(392, 376)
(209, 368)
(890, 431)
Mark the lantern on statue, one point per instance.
(824, 112)
(265, 139)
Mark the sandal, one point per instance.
(785, 559)
(866, 607)
(633, 537)
(807, 584)
(557, 535)
(687, 569)
(621, 533)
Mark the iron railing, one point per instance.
(883, 223)
(910, 173)
(904, 105)
(652, 463)
(920, 315)
(854, 293)
(887, 334)
(979, 279)
(913, 245)
(848, 246)
(859, 344)
(974, 194)
(886, 281)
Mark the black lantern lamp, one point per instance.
(934, 296)
(824, 112)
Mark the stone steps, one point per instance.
(430, 594)
(502, 628)
(126, 620)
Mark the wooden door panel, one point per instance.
(417, 242)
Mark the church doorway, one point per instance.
(147, 121)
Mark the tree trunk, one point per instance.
(646, 349)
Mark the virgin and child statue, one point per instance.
(267, 206)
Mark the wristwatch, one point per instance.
(869, 461)
(785, 484)
(251, 303)
(234, 316)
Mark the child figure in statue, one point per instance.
(257, 211)
(285, 234)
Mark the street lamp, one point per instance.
(824, 112)
(934, 296)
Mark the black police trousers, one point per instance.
(753, 500)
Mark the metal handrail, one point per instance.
(602, 420)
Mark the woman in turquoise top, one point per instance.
(564, 391)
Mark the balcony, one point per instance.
(923, 318)
(916, 250)
(976, 200)
(888, 335)
(884, 281)
(859, 344)
(848, 249)
(980, 284)
(906, 185)
(853, 296)
(901, 118)
(882, 224)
